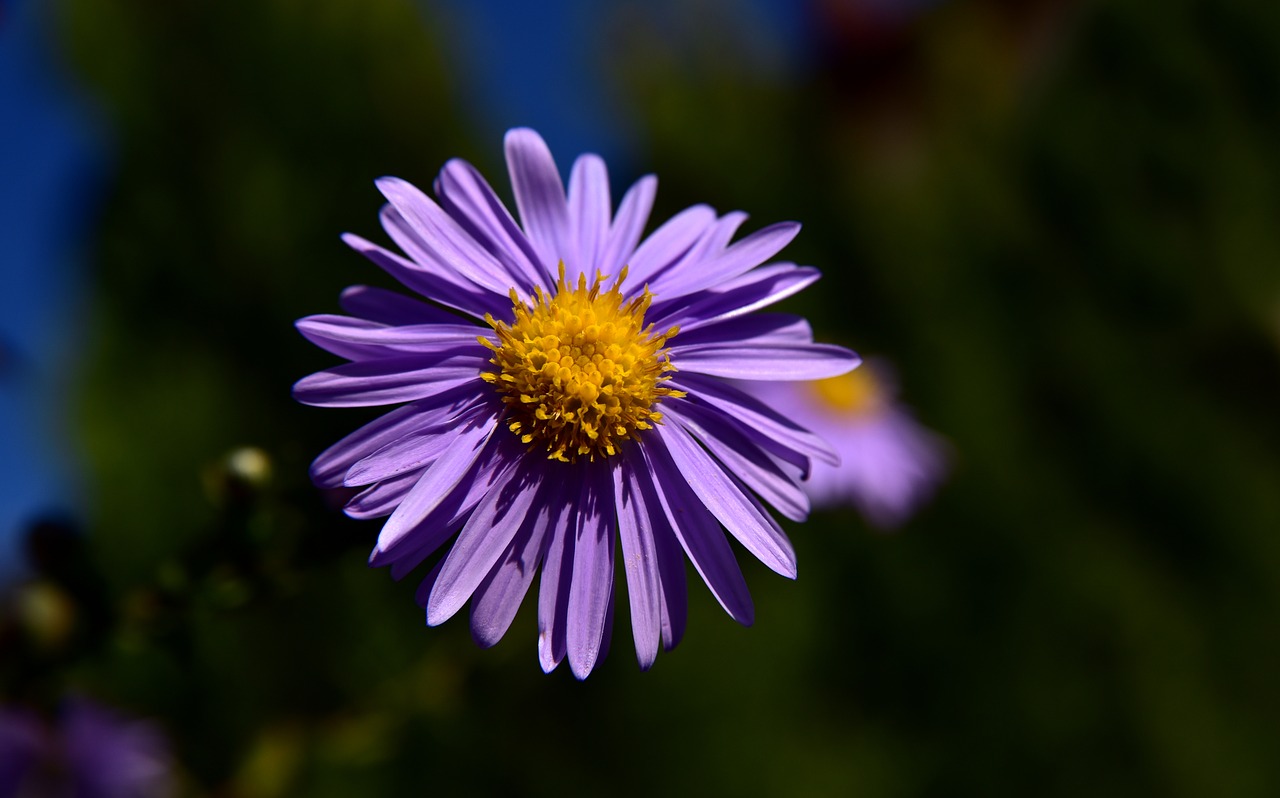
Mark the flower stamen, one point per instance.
(578, 371)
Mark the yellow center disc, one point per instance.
(852, 394)
(579, 371)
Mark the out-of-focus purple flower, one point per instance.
(566, 381)
(889, 462)
(90, 752)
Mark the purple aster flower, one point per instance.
(563, 390)
(90, 753)
(889, 463)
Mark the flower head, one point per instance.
(889, 463)
(562, 392)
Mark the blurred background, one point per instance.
(1059, 219)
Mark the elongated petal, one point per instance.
(640, 561)
(472, 301)
(388, 307)
(709, 246)
(413, 452)
(329, 469)
(486, 535)
(754, 529)
(743, 458)
(438, 480)
(553, 587)
(540, 198)
(739, 258)
(442, 240)
(766, 361)
(743, 331)
(499, 596)
(754, 290)
(668, 244)
(698, 532)
(423, 251)
(628, 225)
(591, 592)
(381, 499)
(492, 466)
(589, 211)
(389, 380)
(357, 339)
(419, 448)
(749, 413)
(467, 197)
(425, 586)
(671, 570)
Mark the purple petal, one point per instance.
(422, 250)
(765, 361)
(756, 289)
(697, 530)
(427, 584)
(708, 246)
(432, 285)
(419, 448)
(607, 636)
(486, 535)
(438, 480)
(492, 466)
(758, 328)
(554, 586)
(591, 591)
(754, 529)
(467, 196)
(329, 469)
(589, 211)
(442, 241)
(411, 453)
(675, 589)
(499, 596)
(640, 561)
(357, 339)
(388, 307)
(390, 380)
(383, 498)
(669, 243)
(540, 198)
(749, 413)
(628, 225)
(743, 458)
(743, 256)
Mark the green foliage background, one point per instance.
(1059, 219)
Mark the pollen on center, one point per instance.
(578, 370)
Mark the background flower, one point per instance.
(889, 463)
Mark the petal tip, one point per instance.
(485, 635)
(520, 136)
(546, 657)
(581, 667)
